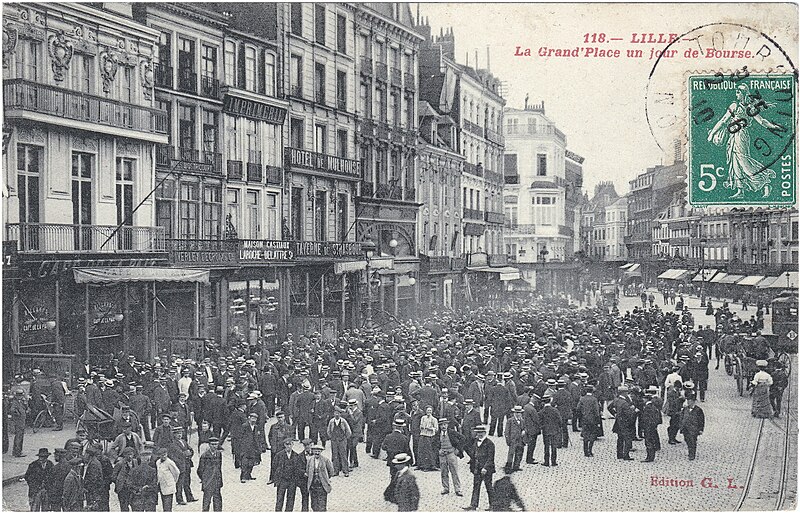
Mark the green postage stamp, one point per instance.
(742, 147)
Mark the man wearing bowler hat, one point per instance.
(210, 472)
(514, 434)
(481, 466)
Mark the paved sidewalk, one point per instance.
(14, 468)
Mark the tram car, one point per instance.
(784, 322)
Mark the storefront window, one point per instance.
(253, 311)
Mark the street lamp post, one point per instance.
(368, 247)
(703, 242)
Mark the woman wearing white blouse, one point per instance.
(428, 428)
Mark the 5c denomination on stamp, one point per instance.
(742, 139)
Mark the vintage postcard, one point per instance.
(383, 257)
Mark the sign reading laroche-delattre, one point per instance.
(254, 251)
(323, 162)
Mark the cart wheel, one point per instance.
(739, 377)
(39, 420)
(784, 359)
(728, 366)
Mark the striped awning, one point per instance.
(718, 277)
(786, 280)
(673, 274)
(626, 266)
(704, 275)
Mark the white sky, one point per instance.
(599, 104)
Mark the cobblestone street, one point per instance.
(578, 483)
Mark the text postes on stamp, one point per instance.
(742, 130)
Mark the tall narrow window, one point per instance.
(186, 131)
(232, 137)
(189, 205)
(29, 159)
(253, 151)
(341, 217)
(165, 49)
(187, 78)
(381, 104)
(341, 34)
(82, 164)
(209, 135)
(212, 211)
(296, 218)
(297, 75)
(234, 209)
(319, 82)
(297, 133)
(125, 84)
(365, 99)
(254, 214)
(208, 70)
(250, 68)
(321, 138)
(271, 207)
(319, 23)
(165, 204)
(341, 143)
(321, 216)
(230, 63)
(297, 18)
(541, 164)
(82, 72)
(341, 90)
(124, 176)
(269, 74)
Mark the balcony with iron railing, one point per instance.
(32, 97)
(410, 82)
(274, 175)
(491, 176)
(55, 238)
(494, 137)
(520, 228)
(191, 160)
(296, 90)
(473, 128)
(382, 130)
(397, 77)
(319, 95)
(495, 217)
(389, 191)
(473, 214)
(235, 170)
(511, 179)
(187, 80)
(381, 71)
(162, 75)
(254, 169)
(209, 86)
(473, 169)
(366, 66)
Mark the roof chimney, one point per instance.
(487, 58)
(476, 59)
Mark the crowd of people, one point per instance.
(422, 395)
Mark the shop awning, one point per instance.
(750, 280)
(731, 279)
(786, 280)
(673, 274)
(506, 272)
(374, 264)
(766, 282)
(112, 275)
(634, 268)
(520, 284)
(626, 266)
(704, 275)
(718, 277)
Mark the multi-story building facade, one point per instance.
(387, 53)
(763, 241)
(81, 123)
(573, 197)
(439, 175)
(540, 225)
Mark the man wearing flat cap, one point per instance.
(72, 499)
(210, 472)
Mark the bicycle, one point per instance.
(45, 418)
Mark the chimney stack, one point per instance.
(487, 58)
(476, 59)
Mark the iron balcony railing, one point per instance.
(274, 175)
(54, 238)
(494, 137)
(209, 86)
(187, 80)
(235, 170)
(473, 214)
(25, 95)
(473, 128)
(190, 160)
(495, 217)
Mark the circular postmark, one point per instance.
(722, 98)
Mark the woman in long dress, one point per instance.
(762, 408)
(744, 172)
(429, 427)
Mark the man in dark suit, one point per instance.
(692, 424)
(533, 427)
(290, 467)
(395, 443)
(551, 431)
(514, 432)
(651, 418)
(406, 491)
(624, 424)
(481, 465)
(249, 446)
(472, 418)
(304, 417)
